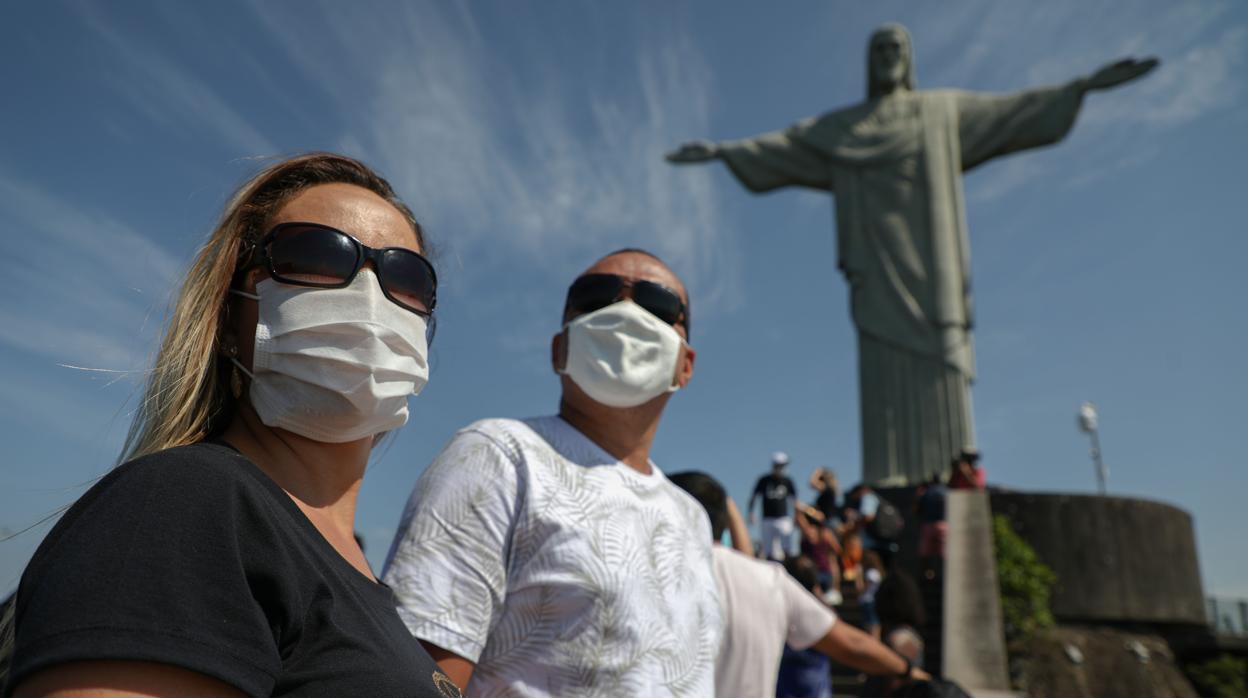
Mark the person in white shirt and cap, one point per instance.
(777, 492)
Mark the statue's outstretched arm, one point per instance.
(694, 151)
(765, 162)
(1118, 73)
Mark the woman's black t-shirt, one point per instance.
(193, 557)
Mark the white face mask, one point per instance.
(335, 364)
(621, 355)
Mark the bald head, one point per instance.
(639, 265)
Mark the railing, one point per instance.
(1227, 616)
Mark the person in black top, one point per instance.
(218, 560)
(775, 489)
(828, 501)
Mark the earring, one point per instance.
(236, 377)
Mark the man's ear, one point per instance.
(684, 367)
(559, 351)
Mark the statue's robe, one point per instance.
(894, 165)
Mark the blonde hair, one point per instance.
(187, 397)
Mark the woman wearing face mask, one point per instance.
(218, 560)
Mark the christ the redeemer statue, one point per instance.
(894, 163)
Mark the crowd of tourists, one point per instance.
(850, 542)
(547, 556)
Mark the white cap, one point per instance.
(779, 458)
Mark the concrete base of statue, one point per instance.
(1117, 559)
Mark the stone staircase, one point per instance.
(849, 683)
(959, 599)
(846, 682)
(932, 590)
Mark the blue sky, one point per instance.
(528, 137)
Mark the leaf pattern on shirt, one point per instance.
(557, 569)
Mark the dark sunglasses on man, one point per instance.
(318, 256)
(594, 291)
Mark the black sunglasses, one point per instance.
(593, 291)
(315, 255)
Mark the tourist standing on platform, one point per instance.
(828, 501)
(861, 503)
(851, 558)
(778, 494)
(929, 506)
(875, 519)
(218, 560)
(550, 556)
(764, 609)
(872, 575)
(968, 474)
(820, 545)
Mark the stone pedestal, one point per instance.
(1117, 560)
(973, 643)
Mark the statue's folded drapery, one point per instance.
(895, 165)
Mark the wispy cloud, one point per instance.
(95, 281)
(1006, 46)
(1205, 77)
(541, 164)
(1131, 159)
(1006, 176)
(74, 412)
(171, 96)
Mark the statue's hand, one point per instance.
(694, 151)
(1118, 73)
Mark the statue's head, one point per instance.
(890, 61)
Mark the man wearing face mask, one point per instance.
(550, 556)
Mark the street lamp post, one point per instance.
(1088, 425)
